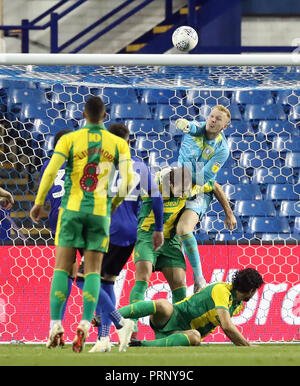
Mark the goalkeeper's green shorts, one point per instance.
(82, 230)
(169, 255)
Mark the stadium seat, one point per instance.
(294, 114)
(130, 111)
(281, 192)
(26, 95)
(292, 160)
(297, 225)
(34, 110)
(278, 236)
(209, 97)
(254, 208)
(286, 143)
(161, 96)
(260, 158)
(165, 112)
(254, 97)
(272, 176)
(243, 192)
(239, 128)
(215, 224)
(144, 127)
(265, 112)
(268, 225)
(243, 143)
(232, 236)
(119, 95)
(281, 128)
(289, 208)
(287, 97)
(225, 175)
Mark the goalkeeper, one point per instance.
(203, 151)
(187, 322)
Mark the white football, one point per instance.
(185, 38)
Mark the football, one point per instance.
(185, 38)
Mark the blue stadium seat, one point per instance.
(239, 127)
(268, 225)
(34, 110)
(130, 111)
(143, 127)
(243, 143)
(281, 128)
(243, 192)
(27, 95)
(297, 225)
(281, 192)
(277, 236)
(73, 111)
(215, 224)
(225, 175)
(165, 112)
(289, 208)
(119, 95)
(294, 115)
(235, 112)
(209, 97)
(292, 160)
(287, 97)
(284, 144)
(260, 158)
(161, 96)
(265, 112)
(254, 97)
(254, 208)
(233, 236)
(272, 176)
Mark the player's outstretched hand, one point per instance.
(36, 213)
(183, 125)
(157, 240)
(230, 222)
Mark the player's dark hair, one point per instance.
(60, 134)
(94, 108)
(246, 280)
(120, 130)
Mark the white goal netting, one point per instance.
(260, 179)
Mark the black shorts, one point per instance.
(115, 259)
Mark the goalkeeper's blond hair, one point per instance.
(224, 110)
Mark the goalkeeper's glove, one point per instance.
(183, 125)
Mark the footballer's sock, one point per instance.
(138, 309)
(190, 246)
(91, 290)
(178, 294)
(107, 304)
(58, 293)
(137, 293)
(70, 283)
(172, 340)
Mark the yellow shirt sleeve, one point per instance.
(126, 173)
(63, 146)
(56, 162)
(220, 295)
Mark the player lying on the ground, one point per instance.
(187, 322)
(204, 150)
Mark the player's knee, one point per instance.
(194, 337)
(160, 305)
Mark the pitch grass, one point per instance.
(205, 355)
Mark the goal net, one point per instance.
(260, 179)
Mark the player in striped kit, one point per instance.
(84, 216)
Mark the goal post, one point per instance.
(41, 94)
